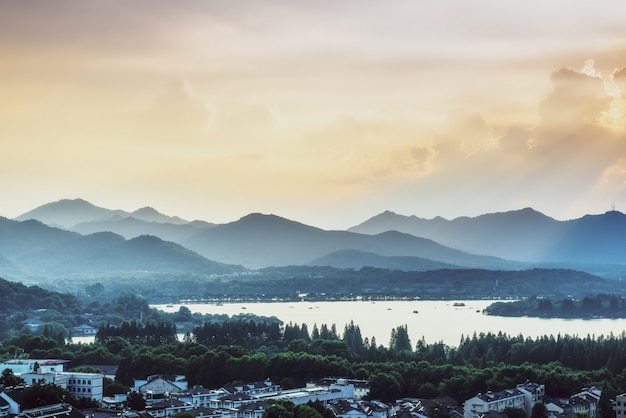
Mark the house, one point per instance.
(252, 410)
(115, 401)
(204, 412)
(585, 402)
(480, 404)
(360, 388)
(167, 408)
(620, 406)
(253, 389)
(342, 408)
(376, 409)
(534, 393)
(157, 387)
(53, 411)
(231, 401)
(13, 398)
(84, 329)
(198, 395)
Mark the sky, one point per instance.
(326, 113)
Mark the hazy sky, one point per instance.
(322, 112)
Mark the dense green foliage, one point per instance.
(219, 350)
(590, 306)
(329, 283)
(135, 332)
(480, 363)
(17, 297)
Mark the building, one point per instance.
(85, 385)
(620, 406)
(360, 387)
(84, 329)
(534, 393)
(19, 366)
(53, 411)
(198, 395)
(480, 404)
(253, 389)
(524, 397)
(342, 408)
(159, 387)
(585, 402)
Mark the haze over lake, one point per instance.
(435, 320)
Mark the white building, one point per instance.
(19, 366)
(524, 397)
(494, 401)
(620, 406)
(85, 385)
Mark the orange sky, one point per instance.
(322, 112)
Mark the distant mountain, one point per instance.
(597, 238)
(43, 251)
(523, 235)
(149, 214)
(131, 227)
(66, 213)
(260, 240)
(358, 259)
(503, 240)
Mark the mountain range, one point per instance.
(71, 237)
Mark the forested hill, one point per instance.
(18, 297)
(328, 283)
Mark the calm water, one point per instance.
(435, 320)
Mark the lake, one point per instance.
(434, 320)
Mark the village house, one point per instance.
(585, 402)
(159, 387)
(84, 329)
(523, 396)
(198, 396)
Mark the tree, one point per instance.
(135, 401)
(511, 412)
(277, 411)
(539, 411)
(185, 414)
(384, 387)
(9, 379)
(305, 411)
(41, 394)
(400, 339)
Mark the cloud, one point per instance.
(177, 116)
(244, 124)
(577, 97)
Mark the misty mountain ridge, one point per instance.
(515, 239)
(354, 259)
(33, 249)
(258, 240)
(67, 213)
(524, 235)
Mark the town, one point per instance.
(161, 396)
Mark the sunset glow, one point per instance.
(322, 112)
